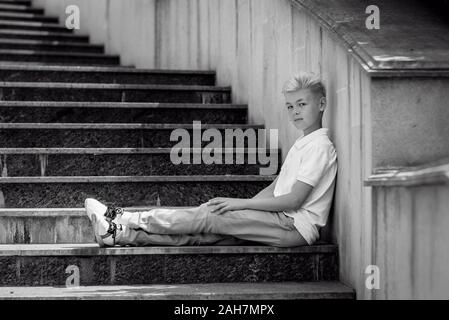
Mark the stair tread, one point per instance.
(124, 126)
(64, 85)
(30, 23)
(48, 42)
(89, 249)
(127, 105)
(42, 33)
(13, 5)
(26, 15)
(57, 53)
(25, 2)
(16, 2)
(13, 64)
(232, 291)
(135, 179)
(103, 69)
(98, 151)
(56, 212)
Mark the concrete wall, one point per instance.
(411, 235)
(410, 118)
(125, 27)
(255, 45)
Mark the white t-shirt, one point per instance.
(312, 160)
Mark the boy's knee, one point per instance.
(205, 208)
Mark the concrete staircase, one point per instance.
(76, 124)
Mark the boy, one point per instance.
(287, 213)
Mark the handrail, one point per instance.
(391, 50)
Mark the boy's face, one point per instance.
(304, 109)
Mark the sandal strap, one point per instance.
(112, 231)
(112, 212)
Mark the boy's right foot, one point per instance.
(111, 213)
(105, 229)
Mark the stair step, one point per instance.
(61, 225)
(15, 44)
(119, 112)
(122, 162)
(27, 17)
(101, 74)
(202, 291)
(20, 8)
(45, 265)
(67, 192)
(119, 135)
(73, 58)
(16, 2)
(42, 35)
(53, 91)
(33, 26)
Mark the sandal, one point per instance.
(112, 231)
(112, 212)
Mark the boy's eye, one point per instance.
(289, 107)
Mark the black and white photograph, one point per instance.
(225, 156)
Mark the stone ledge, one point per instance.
(43, 42)
(61, 212)
(126, 105)
(93, 249)
(45, 33)
(36, 24)
(125, 126)
(110, 86)
(437, 173)
(56, 54)
(211, 291)
(12, 7)
(120, 69)
(27, 15)
(16, 2)
(136, 179)
(393, 50)
(127, 151)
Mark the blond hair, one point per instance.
(305, 80)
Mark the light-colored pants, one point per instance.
(199, 226)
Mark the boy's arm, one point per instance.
(268, 192)
(289, 202)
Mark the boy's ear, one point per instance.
(322, 104)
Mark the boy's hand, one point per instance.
(221, 205)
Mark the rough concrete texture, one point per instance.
(114, 165)
(46, 266)
(121, 115)
(110, 136)
(116, 93)
(103, 75)
(63, 195)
